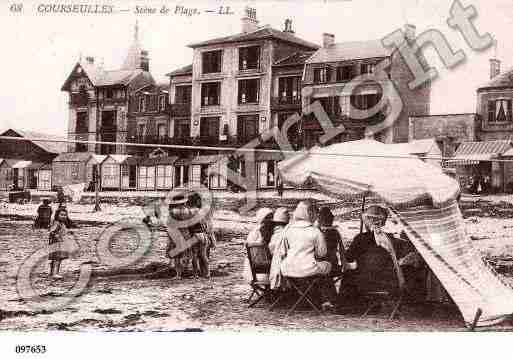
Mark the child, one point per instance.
(44, 215)
(58, 232)
(333, 239)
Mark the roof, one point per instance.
(165, 160)
(9, 162)
(21, 164)
(186, 70)
(73, 157)
(350, 50)
(119, 158)
(297, 58)
(207, 159)
(265, 32)
(469, 153)
(50, 146)
(504, 79)
(416, 147)
(98, 158)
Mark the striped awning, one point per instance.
(471, 153)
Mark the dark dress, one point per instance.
(44, 216)
(333, 239)
(58, 232)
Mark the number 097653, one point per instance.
(30, 349)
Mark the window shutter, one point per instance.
(509, 110)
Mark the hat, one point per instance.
(46, 201)
(263, 213)
(178, 199)
(325, 216)
(281, 215)
(305, 211)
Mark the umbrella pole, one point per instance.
(361, 214)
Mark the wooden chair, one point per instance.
(259, 258)
(378, 281)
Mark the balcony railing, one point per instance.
(286, 103)
(180, 109)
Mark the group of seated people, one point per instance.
(308, 245)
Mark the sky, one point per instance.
(40, 49)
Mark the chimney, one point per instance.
(328, 39)
(90, 60)
(409, 32)
(249, 21)
(495, 67)
(145, 61)
(288, 26)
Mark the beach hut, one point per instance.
(93, 166)
(118, 172)
(6, 180)
(209, 170)
(44, 177)
(157, 173)
(426, 149)
(70, 168)
(25, 174)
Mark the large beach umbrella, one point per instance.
(422, 198)
(357, 168)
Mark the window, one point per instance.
(162, 102)
(183, 94)
(181, 176)
(146, 177)
(249, 58)
(161, 130)
(322, 74)
(211, 61)
(289, 89)
(210, 93)
(82, 122)
(218, 174)
(110, 176)
(45, 180)
(109, 93)
(182, 128)
(345, 105)
(196, 175)
(247, 127)
(209, 127)
(266, 174)
(499, 110)
(147, 102)
(345, 73)
(164, 176)
(142, 104)
(367, 68)
(141, 130)
(249, 91)
(331, 105)
(364, 102)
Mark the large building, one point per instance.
(99, 100)
(334, 65)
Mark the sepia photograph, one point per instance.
(254, 167)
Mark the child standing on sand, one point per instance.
(58, 232)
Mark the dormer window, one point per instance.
(322, 74)
(499, 110)
(249, 58)
(367, 68)
(345, 73)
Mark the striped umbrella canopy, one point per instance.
(358, 168)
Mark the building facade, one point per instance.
(99, 100)
(335, 65)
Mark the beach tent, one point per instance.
(423, 199)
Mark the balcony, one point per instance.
(80, 99)
(292, 103)
(180, 110)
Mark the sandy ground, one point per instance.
(144, 296)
